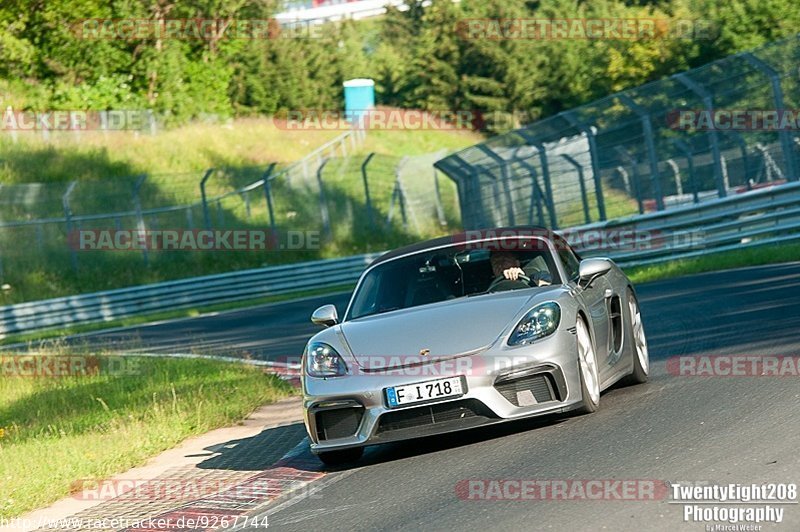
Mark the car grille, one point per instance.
(519, 390)
(430, 415)
(338, 423)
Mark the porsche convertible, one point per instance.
(466, 331)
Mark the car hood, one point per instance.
(447, 329)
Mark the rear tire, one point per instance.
(587, 369)
(337, 458)
(639, 351)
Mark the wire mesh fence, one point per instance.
(721, 129)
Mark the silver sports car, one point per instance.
(465, 331)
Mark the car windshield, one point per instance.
(448, 273)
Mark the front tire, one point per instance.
(587, 365)
(338, 458)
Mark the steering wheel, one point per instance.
(501, 284)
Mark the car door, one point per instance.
(595, 298)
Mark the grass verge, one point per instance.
(56, 430)
(727, 260)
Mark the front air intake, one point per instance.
(338, 423)
(528, 390)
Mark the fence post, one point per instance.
(367, 198)
(406, 209)
(220, 214)
(593, 156)
(397, 196)
(777, 95)
(506, 189)
(246, 197)
(151, 122)
(745, 158)
(439, 205)
(206, 216)
(647, 129)
(687, 152)
(460, 175)
(268, 197)
(635, 170)
(103, 123)
(68, 223)
(13, 130)
(713, 139)
(323, 206)
(496, 220)
(137, 203)
(536, 194)
(768, 163)
(676, 174)
(725, 177)
(584, 197)
(402, 197)
(548, 187)
(626, 180)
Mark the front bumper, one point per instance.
(502, 384)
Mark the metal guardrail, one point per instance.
(236, 286)
(764, 216)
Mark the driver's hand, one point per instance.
(512, 274)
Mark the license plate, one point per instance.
(425, 391)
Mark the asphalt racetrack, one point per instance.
(676, 428)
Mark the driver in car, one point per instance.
(507, 265)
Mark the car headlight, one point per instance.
(542, 320)
(323, 361)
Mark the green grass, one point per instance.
(54, 431)
(739, 258)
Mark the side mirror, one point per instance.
(591, 269)
(326, 316)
